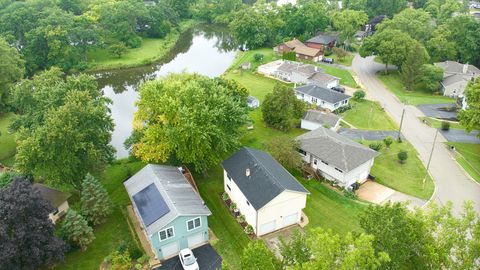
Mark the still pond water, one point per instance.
(207, 50)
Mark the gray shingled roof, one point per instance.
(290, 66)
(336, 150)
(176, 191)
(321, 118)
(322, 78)
(323, 38)
(267, 177)
(453, 67)
(322, 93)
(55, 197)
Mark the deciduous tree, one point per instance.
(195, 119)
(416, 23)
(295, 251)
(95, 203)
(348, 22)
(430, 77)
(470, 117)
(411, 72)
(257, 256)
(281, 108)
(11, 70)
(285, 151)
(27, 235)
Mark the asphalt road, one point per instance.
(451, 182)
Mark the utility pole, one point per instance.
(400, 128)
(430, 157)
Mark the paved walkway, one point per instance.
(451, 183)
(369, 135)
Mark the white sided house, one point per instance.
(313, 119)
(265, 192)
(335, 157)
(56, 198)
(456, 76)
(321, 96)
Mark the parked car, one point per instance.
(327, 60)
(339, 88)
(188, 261)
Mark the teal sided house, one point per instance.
(172, 214)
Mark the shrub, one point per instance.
(388, 141)
(120, 260)
(249, 229)
(342, 109)
(225, 196)
(327, 52)
(258, 57)
(95, 203)
(445, 125)
(349, 194)
(75, 230)
(359, 95)
(292, 56)
(402, 156)
(233, 206)
(117, 49)
(241, 218)
(375, 146)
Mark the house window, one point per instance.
(229, 178)
(248, 203)
(339, 170)
(314, 100)
(56, 212)
(324, 162)
(229, 188)
(166, 234)
(302, 152)
(194, 223)
(336, 104)
(315, 161)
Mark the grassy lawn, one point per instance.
(469, 158)
(346, 61)
(7, 140)
(406, 178)
(368, 114)
(438, 123)
(110, 234)
(257, 85)
(344, 75)
(150, 51)
(393, 83)
(328, 209)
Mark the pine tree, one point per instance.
(75, 229)
(96, 204)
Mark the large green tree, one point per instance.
(412, 67)
(285, 151)
(257, 256)
(430, 77)
(348, 22)
(76, 231)
(281, 108)
(465, 34)
(391, 46)
(415, 22)
(470, 117)
(11, 70)
(192, 118)
(332, 251)
(295, 251)
(377, 7)
(64, 127)
(441, 45)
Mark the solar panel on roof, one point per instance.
(150, 204)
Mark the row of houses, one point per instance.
(312, 50)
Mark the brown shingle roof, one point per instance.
(55, 197)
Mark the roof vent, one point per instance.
(247, 172)
(465, 69)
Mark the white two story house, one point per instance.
(335, 157)
(321, 96)
(267, 195)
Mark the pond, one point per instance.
(207, 50)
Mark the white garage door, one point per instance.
(267, 227)
(290, 219)
(170, 250)
(195, 240)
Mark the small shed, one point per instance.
(246, 65)
(57, 199)
(253, 102)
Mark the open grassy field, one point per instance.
(110, 234)
(150, 51)
(346, 61)
(368, 114)
(344, 75)
(7, 140)
(393, 83)
(468, 158)
(406, 178)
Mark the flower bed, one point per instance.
(232, 207)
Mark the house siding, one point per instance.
(286, 203)
(309, 125)
(181, 234)
(62, 210)
(321, 103)
(240, 200)
(344, 179)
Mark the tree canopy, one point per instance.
(183, 112)
(26, 232)
(377, 7)
(281, 109)
(348, 22)
(470, 117)
(11, 71)
(64, 127)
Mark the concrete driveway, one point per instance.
(369, 135)
(439, 111)
(379, 194)
(451, 182)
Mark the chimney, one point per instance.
(247, 172)
(465, 68)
